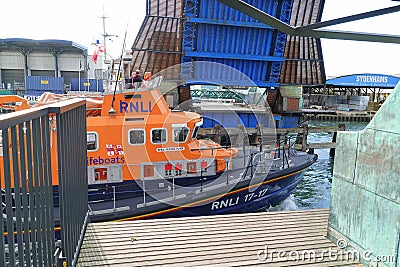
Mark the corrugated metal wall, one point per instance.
(11, 60)
(49, 73)
(40, 84)
(304, 60)
(12, 66)
(92, 85)
(70, 62)
(11, 76)
(41, 61)
(158, 44)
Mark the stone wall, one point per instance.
(365, 200)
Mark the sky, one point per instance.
(80, 22)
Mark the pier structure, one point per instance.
(365, 199)
(337, 115)
(297, 137)
(293, 238)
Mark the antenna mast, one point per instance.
(105, 34)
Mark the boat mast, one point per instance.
(105, 34)
(112, 111)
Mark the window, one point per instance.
(195, 132)
(92, 141)
(180, 134)
(100, 174)
(158, 136)
(137, 136)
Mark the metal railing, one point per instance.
(29, 216)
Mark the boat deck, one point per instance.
(291, 238)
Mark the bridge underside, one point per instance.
(303, 55)
(186, 31)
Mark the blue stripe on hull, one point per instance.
(241, 198)
(133, 188)
(231, 198)
(242, 201)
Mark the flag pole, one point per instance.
(79, 76)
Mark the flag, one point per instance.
(110, 150)
(100, 49)
(95, 55)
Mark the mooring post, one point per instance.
(305, 134)
(341, 127)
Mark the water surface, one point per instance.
(314, 190)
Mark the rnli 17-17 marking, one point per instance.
(229, 202)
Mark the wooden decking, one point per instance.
(294, 238)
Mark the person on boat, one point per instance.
(137, 79)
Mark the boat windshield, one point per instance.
(195, 130)
(154, 83)
(180, 134)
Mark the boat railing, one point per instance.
(282, 149)
(246, 170)
(28, 223)
(212, 149)
(270, 154)
(122, 85)
(277, 150)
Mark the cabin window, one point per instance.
(137, 137)
(158, 136)
(180, 134)
(92, 141)
(195, 130)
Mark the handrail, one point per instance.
(29, 205)
(210, 148)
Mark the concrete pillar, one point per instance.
(365, 199)
(25, 53)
